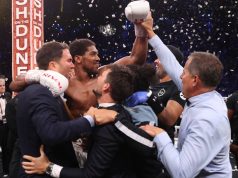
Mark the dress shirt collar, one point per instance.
(106, 105)
(198, 98)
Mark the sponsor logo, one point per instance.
(161, 92)
(182, 96)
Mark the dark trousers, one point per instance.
(3, 144)
(15, 162)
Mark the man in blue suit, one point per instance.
(43, 119)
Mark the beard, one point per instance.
(161, 74)
(90, 72)
(97, 93)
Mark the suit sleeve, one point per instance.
(168, 60)
(49, 123)
(107, 141)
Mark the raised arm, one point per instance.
(168, 60)
(136, 12)
(138, 54)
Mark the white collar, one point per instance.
(106, 105)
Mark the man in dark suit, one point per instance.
(115, 146)
(4, 98)
(43, 118)
(14, 153)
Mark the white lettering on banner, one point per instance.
(22, 57)
(37, 14)
(38, 3)
(21, 70)
(24, 44)
(35, 45)
(27, 31)
(21, 3)
(37, 31)
(22, 32)
(18, 13)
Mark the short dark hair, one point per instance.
(143, 76)
(207, 66)
(50, 51)
(2, 76)
(177, 53)
(79, 46)
(121, 80)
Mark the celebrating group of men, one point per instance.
(72, 99)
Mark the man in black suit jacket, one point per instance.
(12, 141)
(43, 118)
(115, 145)
(4, 98)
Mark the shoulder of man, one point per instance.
(124, 113)
(35, 91)
(179, 98)
(8, 96)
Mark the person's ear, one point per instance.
(196, 80)
(106, 87)
(53, 65)
(78, 58)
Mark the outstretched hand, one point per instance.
(35, 165)
(152, 130)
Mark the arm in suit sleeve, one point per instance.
(50, 123)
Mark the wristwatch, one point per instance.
(49, 169)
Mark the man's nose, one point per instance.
(98, 58)
(157, 61)
(72, 65)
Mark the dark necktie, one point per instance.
(2, 96)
